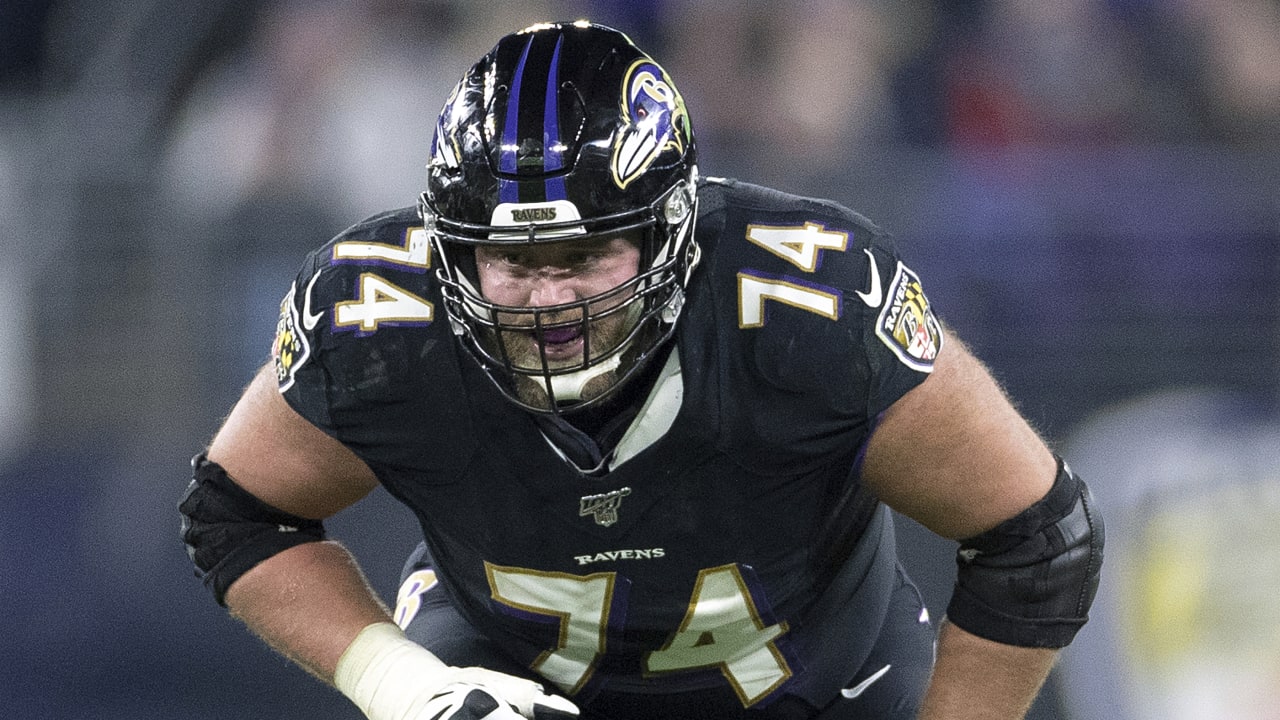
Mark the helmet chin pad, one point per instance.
(568, 387)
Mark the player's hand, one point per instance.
(473, 693)
(465, 701)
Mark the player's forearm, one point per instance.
(308, 602)
(975, 678)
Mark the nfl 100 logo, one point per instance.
(603, 507)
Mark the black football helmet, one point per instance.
(563, 131)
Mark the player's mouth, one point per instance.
(560, 343)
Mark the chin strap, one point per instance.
(569, 386)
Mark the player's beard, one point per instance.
(604, 336)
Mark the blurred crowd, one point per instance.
(337, 97)
(1091, 190)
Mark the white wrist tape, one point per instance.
(387, 675)
(390, 677)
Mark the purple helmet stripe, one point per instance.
(552, 154)
(508, 191)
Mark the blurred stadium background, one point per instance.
(1090, 190)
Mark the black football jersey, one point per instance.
(730, 540)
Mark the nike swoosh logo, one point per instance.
(309, 319)
(873, 297)
(856, 690)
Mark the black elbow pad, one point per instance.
(1031, 580)
(227, 530)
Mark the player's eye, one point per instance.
(580, 258)
(506, 258)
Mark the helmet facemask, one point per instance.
(620, 328)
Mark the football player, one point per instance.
(651, 425)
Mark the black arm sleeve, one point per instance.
(227, 530)
(1031, 580)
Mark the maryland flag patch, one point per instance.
(290, 349)
(907, 324)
